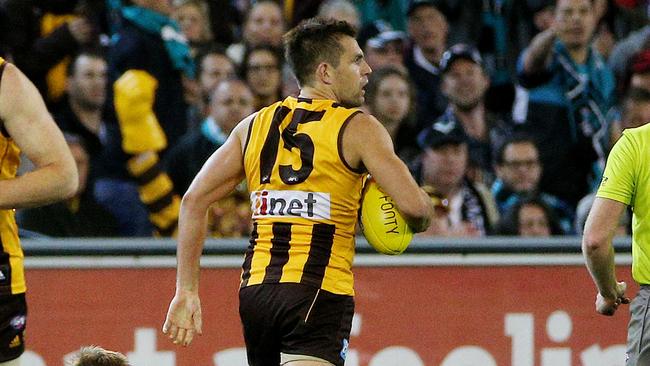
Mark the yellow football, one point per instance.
(382, 223)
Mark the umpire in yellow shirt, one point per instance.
(626, 181)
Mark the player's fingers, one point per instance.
(198, 322)
(188, 338)
(165, 327)
(180, 336)
(173, 332)
(625, 300)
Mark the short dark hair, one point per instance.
(313, 41)
(637, 95)
(96, 356)
(71, 68)
(509, 223)
(213, 49)
(516, 138)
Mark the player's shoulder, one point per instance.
(362, 118)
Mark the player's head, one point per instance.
(324, 54)
(97, 356)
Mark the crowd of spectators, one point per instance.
(504, 109)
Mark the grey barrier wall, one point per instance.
(44, 246)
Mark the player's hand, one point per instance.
(183, 318)
(608, 306)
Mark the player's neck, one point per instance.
(317, 93)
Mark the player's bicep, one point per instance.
(620, 177)
(27, 120)
(603, 220)
(375, 150)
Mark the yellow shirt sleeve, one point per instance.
(620, 174)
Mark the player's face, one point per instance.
(231, 102)
(351, 75)
(521, 169)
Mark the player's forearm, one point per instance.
(47, 184)
(191, 236)
(421, 221)
(599, 258)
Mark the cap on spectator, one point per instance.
(440, 134)
(641, 62)
(414, 4)
(459, 51)
(382, 39)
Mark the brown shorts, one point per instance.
(13, 317)
(294, 319)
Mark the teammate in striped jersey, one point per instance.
(304, 160)
(25, 125)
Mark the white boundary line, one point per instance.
(361, 260)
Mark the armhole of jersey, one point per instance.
(248, 134)
(3, 130)
(339, 145)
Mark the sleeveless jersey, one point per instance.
(12, 278)
(304, 196)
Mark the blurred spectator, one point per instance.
(518, 173)
(263, 26)
(386, 49)
(570, 101)
(625, 50)
(640, 69)
(340, 10)
(262, 70)
(79, 216)
(584, 206)
(296, 11)
(529, 217)
(636, 108)
(464, 83)
(145, 113)
(427, 29)
(225, 18)
(466, 208)
(80, 112)
(390, 11)
(193, 16)
(389, 97)
(231, 101)
(42, 34)
(212, 67)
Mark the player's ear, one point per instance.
(324, 73)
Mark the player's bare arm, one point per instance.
(367, 143)
(218, 177)
(30, 125)
(599, 253)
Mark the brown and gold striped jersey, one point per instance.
(304, 196)
(12, 278)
